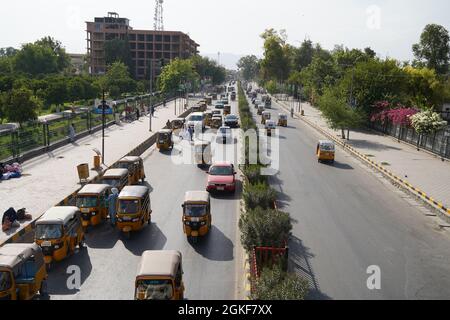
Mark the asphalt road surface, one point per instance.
(108, 265)
(346, 220)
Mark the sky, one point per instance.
(390, 27)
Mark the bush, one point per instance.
(259, 195)
(274, 284)
(253, 174)
(264, 228)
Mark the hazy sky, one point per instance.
(390, 27)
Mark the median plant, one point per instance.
(253, 174)
(259, 195)
(264, 228)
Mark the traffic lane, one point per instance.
(347, 220)
(108, 266)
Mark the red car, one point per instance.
(221, 177)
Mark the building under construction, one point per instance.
(146, 46)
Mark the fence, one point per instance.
(438, 143)
(36, 137)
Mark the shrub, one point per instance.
(253, 174)
(264, 228)
(274, 284)
(259, 195)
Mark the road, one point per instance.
(347, 219)
(109, 264)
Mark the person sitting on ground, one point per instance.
(9, 219)
(168, 124)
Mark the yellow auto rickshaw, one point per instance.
(164, 140)
(216, 122)
(208, 118)
(177, 124)
(282, 120)
(226, 110)
(135, 167)
(325, 151)
(209, 101)
(115, 178)
(92, 202)
(197, 218)
(266, 115)
(160, 276)
(58, 232)
(270, 127)
(260, 110)
(202, 153)
(203, 106)
(133, 209)
(196, 108)
(22, 271)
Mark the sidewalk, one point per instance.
(419, 168)
(50, 178)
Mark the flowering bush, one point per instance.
(400, 115)
(427, 122)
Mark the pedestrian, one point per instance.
(152, 109)
(72, 133)
(191, 132)
(138, 114)
(168, 124)
(112, 205)
(292, 112)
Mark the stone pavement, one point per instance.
(50, 178)
(420, 168)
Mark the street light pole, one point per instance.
(103, 127)
(151, 95)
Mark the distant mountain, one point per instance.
(228, 60)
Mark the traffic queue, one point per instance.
(120, 196)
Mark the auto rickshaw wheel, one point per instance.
(81, 244)
(43, 289)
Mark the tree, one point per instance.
(35, 59)
(63, 60)
(339, 114)
(118, 50)
(427, 122)
(275, 64)
(21, 106)
(264, 228)
(304, 55)
(8, 52)
(249, 66)
(424, 87)
(274, 284)
(208, 69)
(56, 91)
(117, 80)
(175, 74)
(433, 50)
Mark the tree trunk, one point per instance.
(348, 134)
(343, 133)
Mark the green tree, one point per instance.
(118, 50)
(427, 122)
(275, 64)
(8, 52)
(117, 80)
(249, 66)
(175, 74)
(424, 87)
(56, 92)
(304, 55)
(208, 69)
(62, 59)
(339, 114)
(21, 106)
(267, 228)
(76, 89)
(274, 284)
(433, 50)
(35, 59)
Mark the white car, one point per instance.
(224, 135)
(196, 120)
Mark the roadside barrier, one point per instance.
(425, 197)
(70, 200)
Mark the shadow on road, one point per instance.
(216, 246)
(229, 196)
(59, 276)
(299, 262)
(149, 238)
(338, 165)
(283, 199)
(365, 144)
(103, 236)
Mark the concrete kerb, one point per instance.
(405, 184)
(139, 150)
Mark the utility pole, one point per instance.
(151, 95)
(103, 127)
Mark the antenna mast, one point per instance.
(159, 20)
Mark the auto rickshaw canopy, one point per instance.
(134, 192)
(270, 124)
(115, 173)
(130, 159)
(93, 189)
(159, 263)
(165, 132)
(282, 116)
(326, 145)
(196, 197)
(58, 215)
(13, 254)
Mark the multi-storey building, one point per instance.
(146, 46)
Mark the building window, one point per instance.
(176, 48)
(133, 46)
(175, 38)
(167, 47)
(141, 46)
(141, 72)
(150, 46)
(149, 38)
(132, 37)
(141, 37)
(167, 55)
(158, 38)
(158, 47)
(175, 55)
(158, 55)
(141, 55)
(166, 38)
(141, 63)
